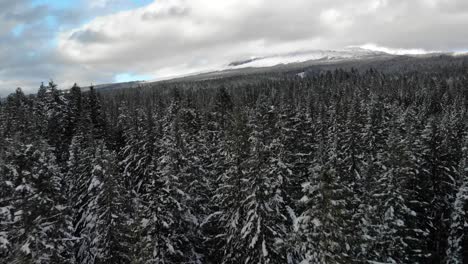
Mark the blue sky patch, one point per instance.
(129, 77)
(51, 22)
(127, 5)
(18, 30)
(142, 2)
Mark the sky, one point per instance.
(102, 41)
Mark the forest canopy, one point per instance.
(350, 165)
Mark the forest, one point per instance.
(347, 165)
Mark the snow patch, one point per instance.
(144, 222)
(316, 222)
(301, 75)
(25, 248)
(3, 241)
(302, 56)
(94, 183)
(293, 217)
(264, 249)
(60, 207)
(460, 53)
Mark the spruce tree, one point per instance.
(39, 229)
(325, 221)
(457, 250)
(167, 219)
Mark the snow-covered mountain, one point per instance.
(354, 53)
(291, 60)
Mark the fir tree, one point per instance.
(168, 220)
(108, 208)
(39, 229)
(457, 250)
(325, 223)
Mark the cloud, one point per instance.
(374, 47)
(28, 45)
(189, 34)
(24, 30)
(89, 36)
(203, 34)
(173, 37)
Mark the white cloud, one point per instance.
(203, 34)
(335, 19)
(171, 37)
(374, 47)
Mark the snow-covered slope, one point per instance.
(295, 57)
(351, 53)
(291, 60)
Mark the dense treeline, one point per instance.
(336, 167)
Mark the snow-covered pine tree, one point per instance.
(39, 110)
(3, 120)
(39, 228)
(349, 165)
(198, 176)
(17, 117)
(6, 196)
(167, 220)
(223, 107)
(263, 211)
(393, 215)
(103, 226)
(299, 141)
(457, 249)
(74, 108)
(229, 194)
(139, 135)
(374, 139)
(79, 175)
(93, 109)
(213, 154)
(53, 108)
(323, 224)
(416, 189)
(436, 178)
(109, 225)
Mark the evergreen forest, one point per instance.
(344, 165)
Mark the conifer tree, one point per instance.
(229, 194)
(393, 213)
(436, 179)
(39, 229)
(18, 120)
(95, 114)
(324, 223)
(108, 210)
(457, 250)
(79, 176)
(213, 154)
(168, 220)
(74, 108)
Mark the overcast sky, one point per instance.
(100, 41)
